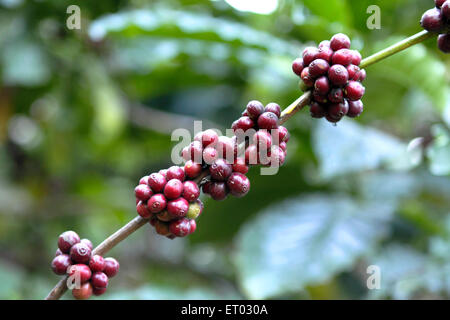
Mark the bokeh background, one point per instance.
(85, 113)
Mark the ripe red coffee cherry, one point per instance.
(360, 75)
(445, 10)
(84, 292)
(80, 253)
(58, 252)
(338, 110)
(60, 264)
(226, 148)
(194, 151)
(193, 226)
(180, 228)
(254, 109)
(274, 108)
(157, 181)
(220, 170)
(306, 77)
(163, 172)
(66, 240)
(355, 108)
(240, 166)
(244, 123)
(432, 20)
(331, 119)
(343, 57)
(262, 139)
(143, 192)
(338, 75)
(325, 53)
(190, 191)
(439, 3)
(352, 70)
(356, 57)
(80, 271)
(99, 280)
(210, 154)
(283, 146)
(277, 157)
(336, 95)
(297, 66)
(444, 43)
(238, 184)
(218, 190)
(309, 54)
(283, 135)
(111, 267)
(88, 243)
(97, 263)
(143, 180)
(98, 291)
(195, 209)
(173, 189)
(142, 209)
(354, 90)
(192, 169)
(317, 110)
(175, 172)
(319, 98)
(318, 67)
(340, 41)
(178, 207)
(322, 86)
(207, 138)
(268, 120)
(157, 203)
(252, 155)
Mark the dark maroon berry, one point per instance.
(331, 119)
(156, 181)
(173, 189)
(254, 109)
(444, 43)
(319, 98)
(355, 108)
(142, 209)
(192, 169)
(98, 291)
(274, 108)
(193, 226)
(195, 209)
(356, 57)
(97, 263)
(318, 67)
(143, 180)
(178, 207)
(307, 79)
(317, 110)
(210, 154)
(143, 192)
(190, 191)
(343, 57)
(80, 253)
(262, 139)
(206, 187)
(322, 86)
(243, 123)
(226, 148)
(67, 239)
(84, 292)
(439, 3)
(58, 252)
(352, 70)
(99, 280)
(338, 75)
(111, 267)
(218, 190)
(180, 228)
(220, 170)
(162, 228)
(157, 203)
(338, 110)
(445, 10)
(268, 120)
(60, 264)
(207, 138)
(336, 95)
(238, 184)
(432, 20)
(283, 135)
(80, 271)
(354, 90)
(239, 165)
(164, 216)
(309, 54)
(277, 156)
(195, 150)
(360, 75)
(251, 155)
(283, 146)
(175, 172)
(325, 53)
(297, 66)
(340, 41)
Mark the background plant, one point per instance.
(91, 111)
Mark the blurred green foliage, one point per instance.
(85, 113)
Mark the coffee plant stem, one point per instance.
(287, 113)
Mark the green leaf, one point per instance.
(349, 147)
(306, 241)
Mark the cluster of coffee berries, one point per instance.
(438, 20)
(169, 199)
(332, 72)
(89, 274)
